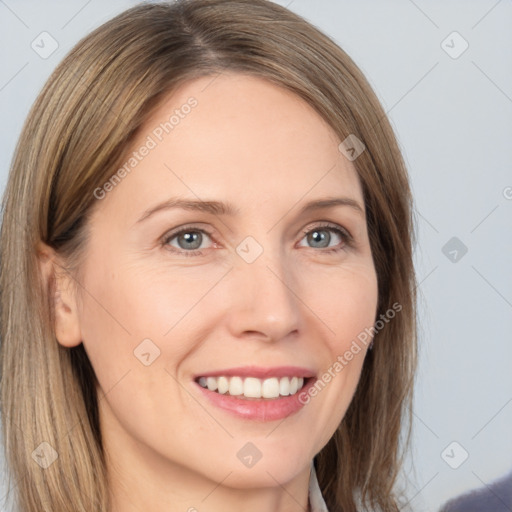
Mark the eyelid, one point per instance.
(327, 224)
(173, 233)
(186, 227)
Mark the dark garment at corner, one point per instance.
(497, 497)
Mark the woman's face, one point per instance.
(250, 281)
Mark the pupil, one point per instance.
(320, 236)
(190, 238)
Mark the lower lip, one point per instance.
(262, 409)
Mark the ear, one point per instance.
(59, 284)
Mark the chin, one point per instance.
(267, 471)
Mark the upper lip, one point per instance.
(260, 372)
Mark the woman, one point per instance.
(208, 298)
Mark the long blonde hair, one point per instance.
(73, 140)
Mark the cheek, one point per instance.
(130, 310)
(345, 300)
(132, 322)
(346, 308)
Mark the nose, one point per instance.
(264, 302)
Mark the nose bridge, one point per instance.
(266, 301)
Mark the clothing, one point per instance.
(316, 500)
(495, 497)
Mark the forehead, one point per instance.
(239, 138)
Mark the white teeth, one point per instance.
(284, 386)
(293, 385)
(211, 382)
(236, 386)
(252, 387)
(270, 388)
(222, 385)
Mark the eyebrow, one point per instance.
(220, 208)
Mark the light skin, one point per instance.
(265, 151)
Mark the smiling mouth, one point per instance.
(252, 388)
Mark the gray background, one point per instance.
(453, 118)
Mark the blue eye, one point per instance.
(321, 237)
(189, 240)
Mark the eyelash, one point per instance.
(341, 232)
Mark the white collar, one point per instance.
(316, 500)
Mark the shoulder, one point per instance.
(496, 497)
